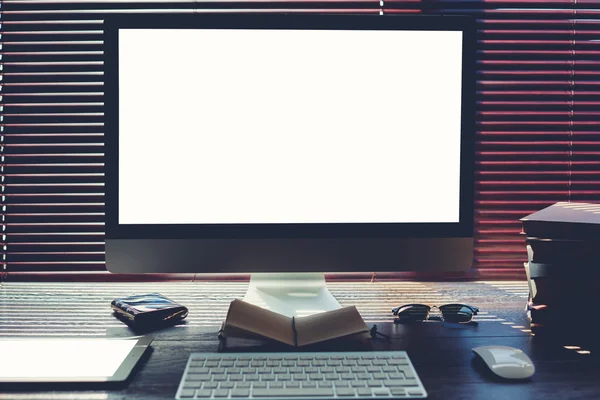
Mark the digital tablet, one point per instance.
(69, 360)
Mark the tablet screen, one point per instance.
(63, 359)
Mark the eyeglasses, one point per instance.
(458, 313)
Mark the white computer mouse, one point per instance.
(506, 362)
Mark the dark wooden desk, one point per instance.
(440, 352)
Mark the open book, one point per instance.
(247, 321)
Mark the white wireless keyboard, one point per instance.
(283, 376)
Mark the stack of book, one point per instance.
(563, 266)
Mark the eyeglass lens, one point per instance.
(413, 312)
(457, 313)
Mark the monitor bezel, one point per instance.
(463, 228)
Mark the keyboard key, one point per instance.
(325, 384)
(259, 385)
(389, 369)
(292, 384)
(198, 370)
(240, 393)
(226, 385)
(252, 377)
(397, 362)
(408, 372)
(338, 384)
(192, 385)
(210, 385)
(358, 369)
(203, 393)
(267, 377)
(309, 384)
(187, 393)
(364, 392)
(221, 393)
(236, 377)
(413, 392)
(242, 385)
(409, 382)
(393, 382)
(398, 391)
(315, 377)
(198, 377)
(357, 383)
(317, 392)
(381, 392)
(345, 392)
(373, 369)
(383, 357)
(374, 383)
(284, 377)
(379, 375)
(364, 363)
(348, 377)
(300, 377)
(275, 385)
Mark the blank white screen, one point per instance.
(67, 358)
(265, 126)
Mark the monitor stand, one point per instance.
(290, 294)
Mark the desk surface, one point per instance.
(440, 352)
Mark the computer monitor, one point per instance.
(289, 143)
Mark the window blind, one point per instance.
(538, 117)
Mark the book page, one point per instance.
(257, 322)
(329, 325)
